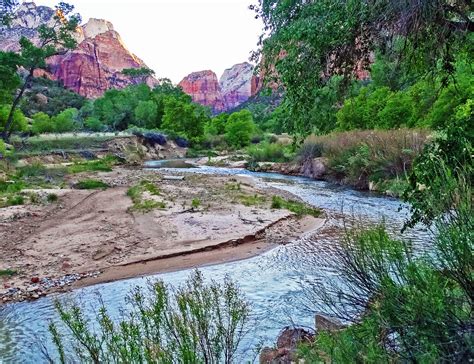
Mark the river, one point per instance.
(274, 282)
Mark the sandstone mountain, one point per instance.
(236, 85)
(92, 68)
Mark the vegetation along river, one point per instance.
(276, 282)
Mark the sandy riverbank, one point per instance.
(89, 237)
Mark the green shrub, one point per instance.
(298, 208)
(42, 123)
(19, 120)
(266, 152)
(7, 272)
(94, 124)
(196, 323)
(15, 200)
(195, 203)
(101, 165)
(239, 129)
(52, 197)
(91, 184)
(65, 120)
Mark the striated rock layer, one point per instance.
(204, 89)
(236, 85)
(92, 68)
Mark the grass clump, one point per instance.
(298, 208)
(252, 200)
(195, 203)
(101, 165)
(7, 272)
(91, 184)
(141, 204)
(52, 197)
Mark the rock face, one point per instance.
(93, 67)
(204, 89)
(236, 85)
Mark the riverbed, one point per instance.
(276, 282)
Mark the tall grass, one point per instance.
(359, 157)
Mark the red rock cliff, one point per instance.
(93, 67)
(204, 89)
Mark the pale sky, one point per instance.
(177, 37)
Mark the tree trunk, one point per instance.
(8, 126)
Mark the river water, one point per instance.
(274, 282)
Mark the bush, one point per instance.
(91, 184)
(19, 120)
(310, 149)
(94, 124)
(298, 208)
(181, 142)
(65, 120)
(195, 323)
(266, 152)
(239, 129)
(42, 124)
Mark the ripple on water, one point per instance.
(274, 282)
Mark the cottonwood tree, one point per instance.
(53, 39)
(308, 41)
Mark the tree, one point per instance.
(140, 74)
(65, 120)
(239, 128)
(53, 40)
(9, 79)
(146, 115)
(306, 42)
(42, 123)
(18, 121)
(184, 118)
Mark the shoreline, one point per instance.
(221, 253)
(85, 240)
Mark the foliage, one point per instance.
(304, 43)
(136, 193)
(53, 38)
(359, 157)
(239, 129)
(91, 184)
(58, 98)
(198, 322)
(298, 208)
(19, 122)
(437, 169)
(102, 165)
(41, 124)
(268, 152)
(9, 79)
(93, 124)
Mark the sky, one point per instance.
(177, 37)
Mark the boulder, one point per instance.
(314, 168)
(327, 323)
(285, 351)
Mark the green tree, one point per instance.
(216, 125)
(184, 118)
(42, 123)
(306, 42)
(65, 121)
(9, 79)
(146, 115)
(93, 124)
(239, 129)
(53, 39)
(18, 121)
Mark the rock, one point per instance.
(66, 266)
(204, 88)
(35, 280)
(236, 85)
(41, 99)
(287, 342)
(326, 323)
(314, 168)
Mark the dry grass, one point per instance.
(357, 157)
